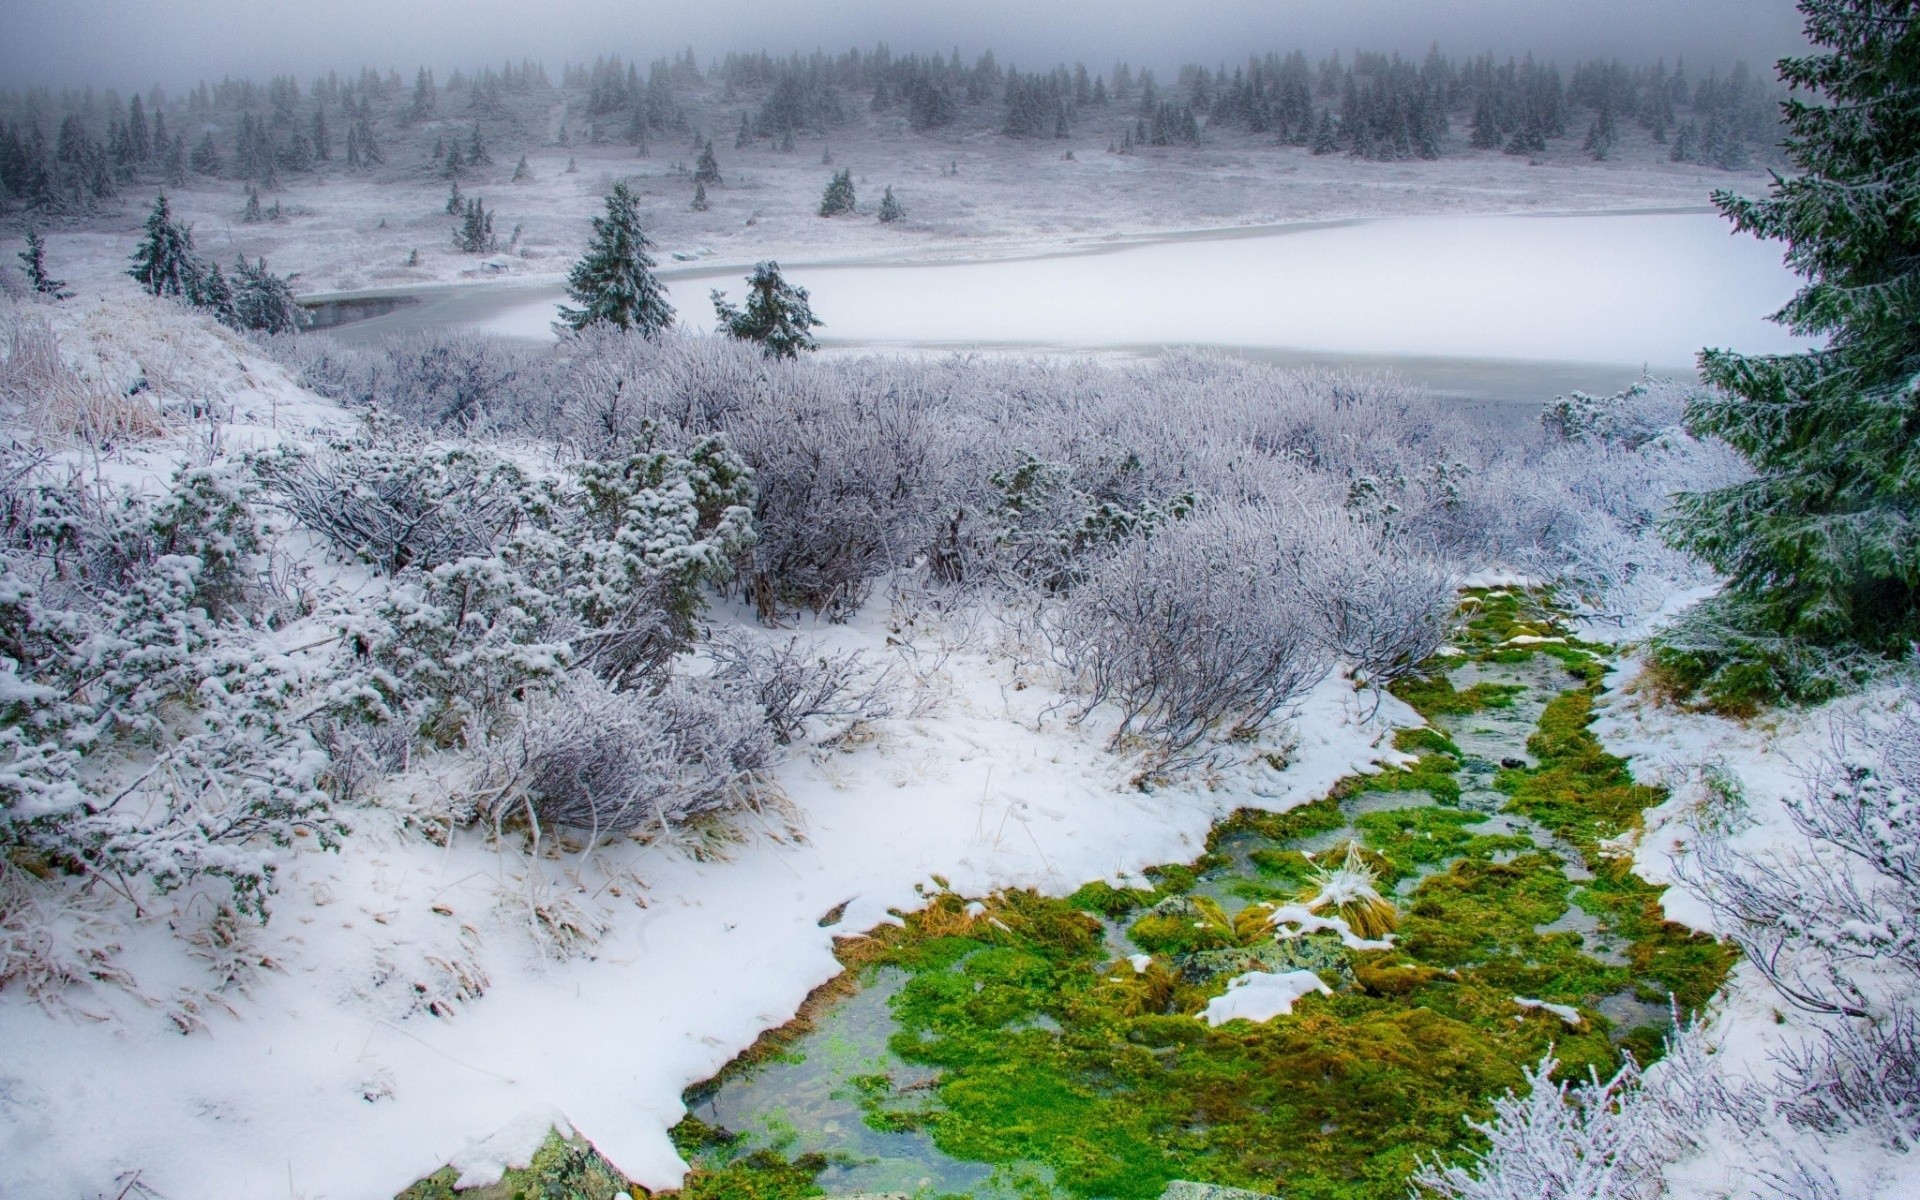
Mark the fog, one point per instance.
(175, 42)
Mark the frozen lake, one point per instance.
(1497, 308)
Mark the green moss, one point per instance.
(1103, 898)
(1410, 838)
(561, 1169)
(1182, 925)
(1435, 696)
(1050, 1052)
(1579, 791)
(1295, 823)
(1434, 774)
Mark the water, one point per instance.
(810, 1101)
(1486, 310)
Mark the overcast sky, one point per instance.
(173, 42)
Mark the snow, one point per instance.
(1622, 288)
(347, 233)
(406, 1009)
(1262, 996)
(1565, 1012)
(486, 1161)
(721, 951)
(1297, 920)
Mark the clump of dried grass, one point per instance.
(39, 390)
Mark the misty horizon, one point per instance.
(177, 43)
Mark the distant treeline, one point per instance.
(73, 151)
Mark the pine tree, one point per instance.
(521, 171)
(1822, 545)
(707, 170)
(164, 263)
(1486, 130)
(34, 259)
(139, 139)
(699, 197)
(369, 148)
(1326, 139)
(425, 97)
(475, 235)
(777, 314)
(477, 155)
(839, 195)
(890, 210)
(456, 203)
(262, 300)
(209, 291)
(454, 164)
(252, 215)
(1601, 134)
(174, 168)
(613, 281)
(745, 136)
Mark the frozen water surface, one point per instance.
(1641, 289)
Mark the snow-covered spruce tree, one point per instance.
(163, 263)
(34, 259)
(707, 169)
(614, 282)
(777, 314)
(700, 197)
(1821, 547)
(209, 290)
(890, 210)
(262, 300)
(475, 234)
(838, 198)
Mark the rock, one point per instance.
(1322, 956)
(1181, 1189)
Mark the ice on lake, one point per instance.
(1641, 288)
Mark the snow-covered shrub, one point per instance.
(634, 542)
(851, 486)
(150, 733)
(1043, 527)
(1561, 1141)
(395, 501)
(355, 376)
(796, 684)
(593, 759)
(1195, 631)
(452, 646)
(502, 580)
(1628, 419)
(457, 379)
(1833, 923)
(1379, 606)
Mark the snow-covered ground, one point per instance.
(968, 195)
(1641, 289)
(1733, 781)
(405, 1001)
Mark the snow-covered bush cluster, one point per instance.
(500, 572)
(1349, 503)
(1829, 916)
(154, 729)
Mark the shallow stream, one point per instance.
(834, 1090)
